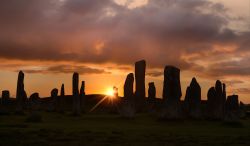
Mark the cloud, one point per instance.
(242, 91)
(155, 73)
(186, 34)
(67, 69)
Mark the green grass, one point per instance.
(58, 129)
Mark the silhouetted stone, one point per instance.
(21, 96)
(232, 103)
(216, 101)
(193, 99)
(54, 100)
(224, 94)
(54, 93)
(5, 97)
(34, 97)
(127, 109)
(129, 87)
(82, 95)
(140, 69)
(62, 99)
(62, 91)
(151, 92)
(171, 93)
(76, 96)
(172, 85)
(243, 110)
(34, 101)
(232, 112)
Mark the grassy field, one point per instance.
(93, 129)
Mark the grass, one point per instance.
(94, 129)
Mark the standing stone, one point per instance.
(172, 85)
(140, 69)
(171, 93)
(216, 101)
(193, 99)
(224, 94)
(243, 110)
(232, 103)
(5, 97)
(151, 92)
(54, 94)
(232, 109)
(129, 88)
(21, 96)
(127, 109)
(34, 97)
(54, 99)
(62, 99)
(82, 95)
(76, 96)
(34, 101)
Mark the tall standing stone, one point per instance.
(129, 88)
(82, 95)
(171, 93)
(21, 96)
(62, 99)
(62, 91)
(76, 96)
(140, 69)
(151, 92)
(193, 99)
(216, 101)
(127, 109)
(172, 85)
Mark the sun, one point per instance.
(110, 92)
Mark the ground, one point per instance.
(97, 129)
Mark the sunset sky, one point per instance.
(101, 39)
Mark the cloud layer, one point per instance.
(192, 34)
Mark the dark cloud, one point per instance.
(238, 67)
(68, 69)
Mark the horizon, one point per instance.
(101, 40)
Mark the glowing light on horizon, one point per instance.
(110, 92)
